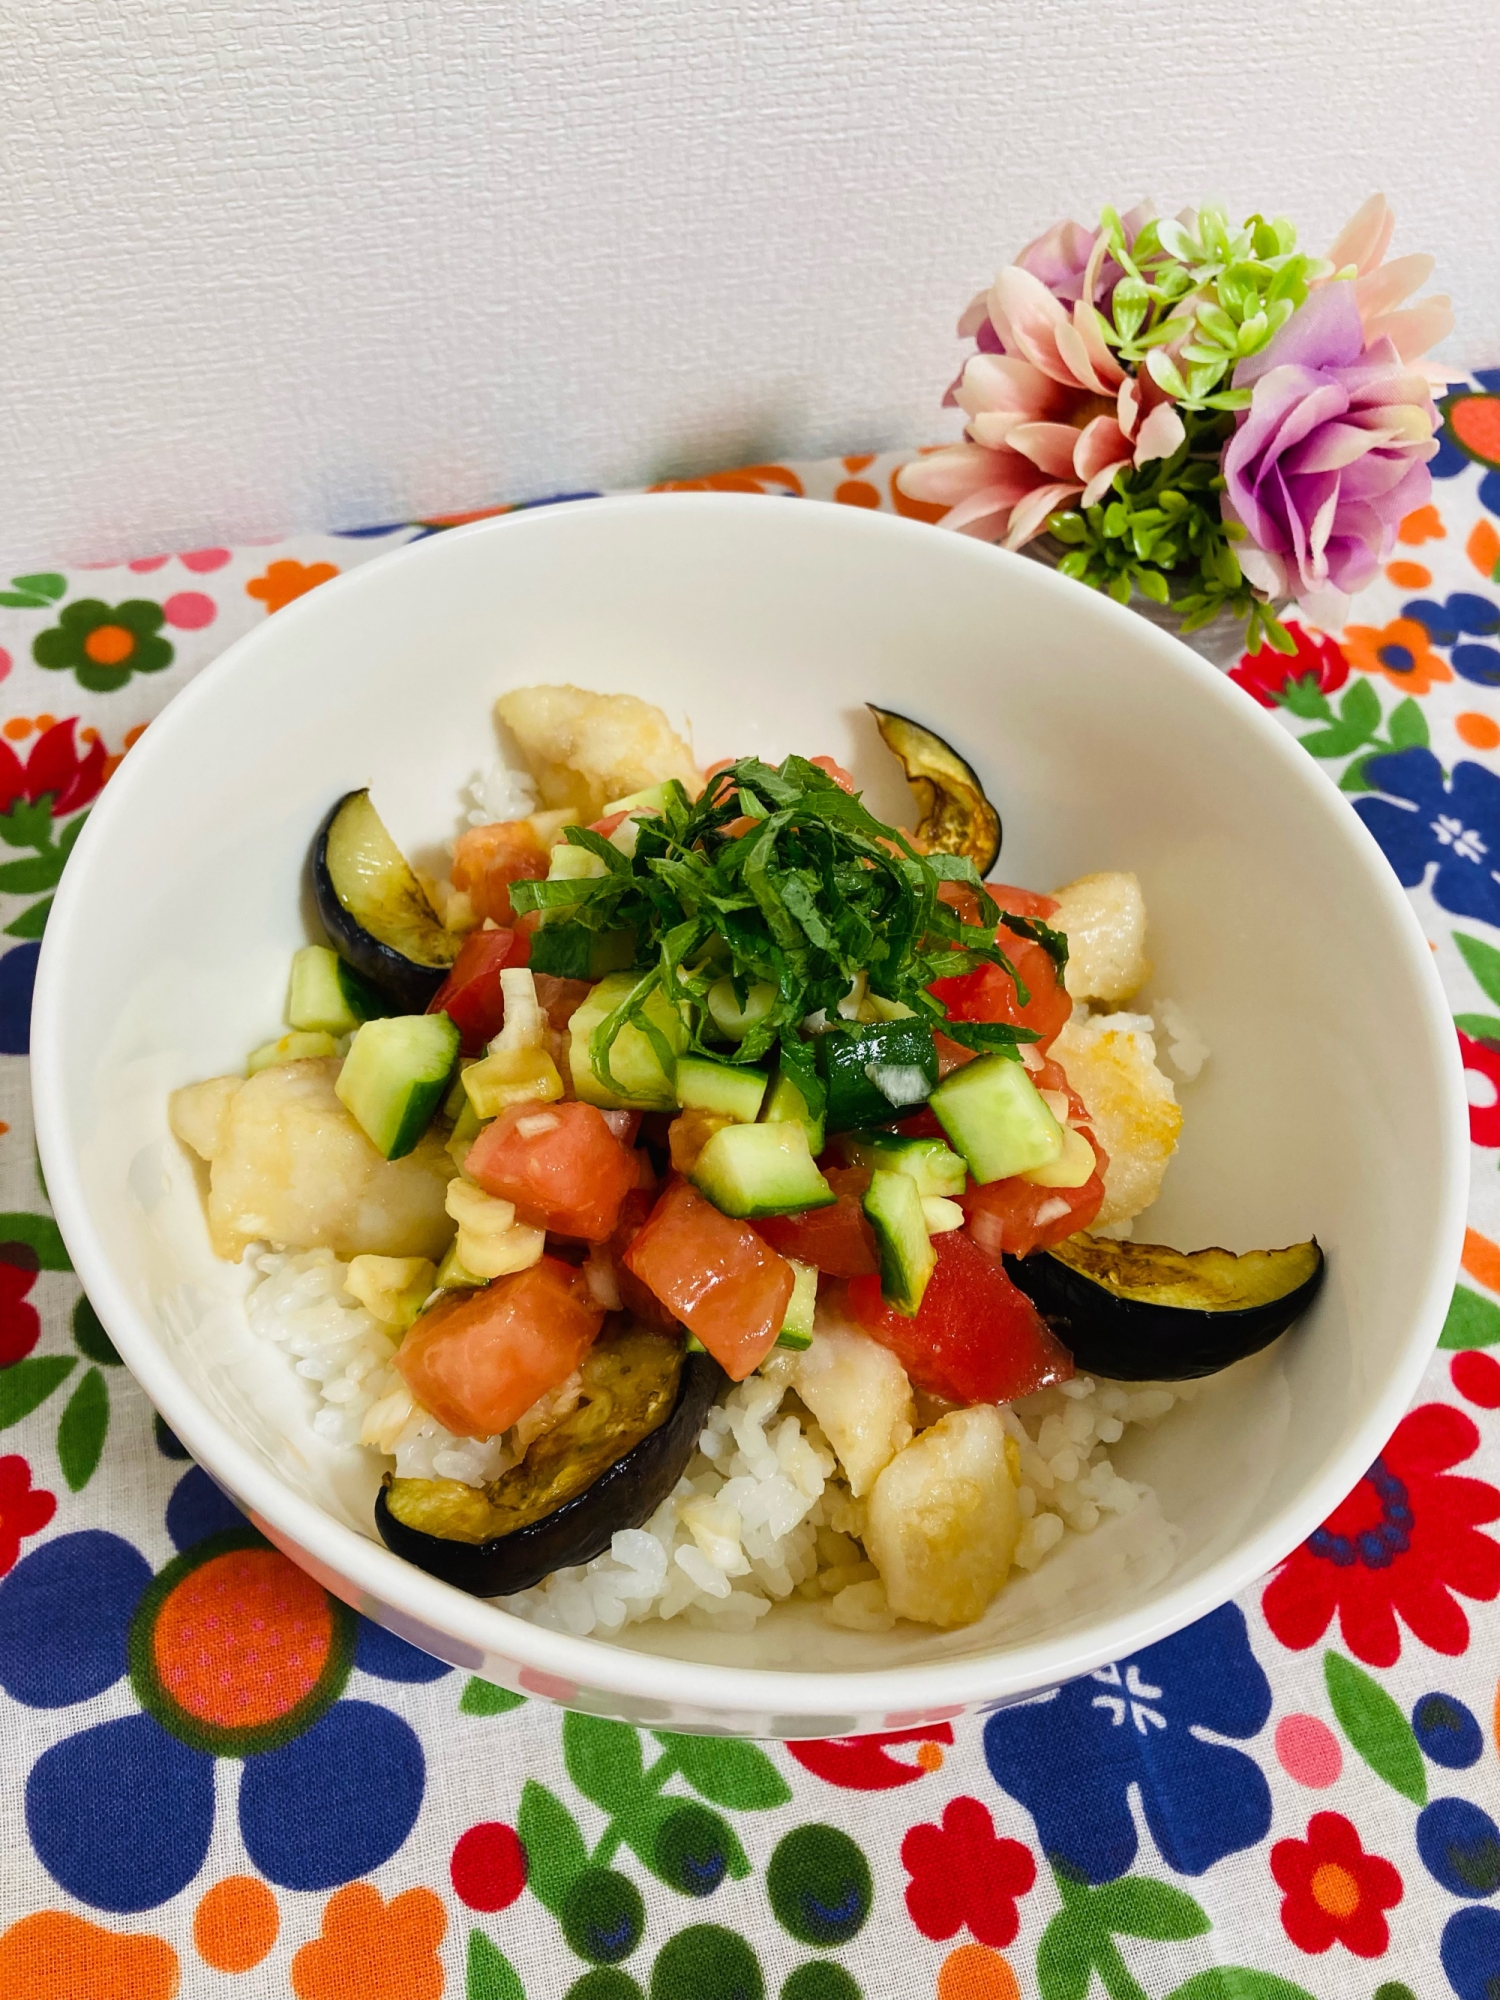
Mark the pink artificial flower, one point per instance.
(1051, 414)
(1330, 456)
(1380, 288)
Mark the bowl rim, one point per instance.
(584, 1666)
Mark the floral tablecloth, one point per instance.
(214, 1779)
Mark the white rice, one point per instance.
(499, 793)
(761, 1511)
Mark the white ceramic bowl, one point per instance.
(1332, 1102)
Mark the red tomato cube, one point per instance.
(487, 859)
(560, 1164)
(715, 1275)
(470, 996)
(479, 1360)
(976, 1338)
(836, 1239)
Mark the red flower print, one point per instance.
(1403, 1542)
(864, 1763)
(1265, 674)
(1483, 1059)
(963, 1873)
(54, 766)
(24, 1509)
(19, 1323)
(1335, 1893)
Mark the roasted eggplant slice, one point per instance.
(606, 1466)
(957, 818)
(373, 907)
(1139, 1312)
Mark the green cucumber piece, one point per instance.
(396, 1075)
(451, 1275)
(994, 1114)
(328, 995)
(936, 1168)
(298, 1046)
(713, 1086)
(644, 1084)
(753, 1170)
(907, 1258)
(902, 1054)
(785, 1105)
(802, 1307)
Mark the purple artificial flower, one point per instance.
(1330, 456)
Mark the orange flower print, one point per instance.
(1423, 524)
(285, 580)
(378, 1950)
(742, 479)
(52, 1954)
(1400, 651)
(235, 1923)
(1483, 550)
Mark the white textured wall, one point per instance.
(329, 261)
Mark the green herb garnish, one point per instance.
(816, 893)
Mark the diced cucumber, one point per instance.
(936, 1168)
(995, 1116)
(466, 1129)
(713, 1086)
(395, 1077)
(327, 994)
(907, 1258)
(568, 950)
(652, 799)
(755, 1170)
(451, 1275)
(569, 863)
(785, 1105)
(872, 1070)
(295, 1047)
(802, 1307)
(644, 1084)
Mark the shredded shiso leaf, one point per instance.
(816, 893)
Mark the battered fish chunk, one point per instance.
(1104, 920)
(1111, 1062)
(289, 1166)
(586, 749)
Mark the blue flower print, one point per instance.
(1465, 617)
(1421, 820)
(231, 1651)
(1072, 1758)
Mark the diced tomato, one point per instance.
(951, 1055)
(836, 1239)
(479, 1360)
(835, 771)
(559, 999)
(716, 1275)
(988, 994)
(610, 821)
(570, 1175)
(1009, 1215)
(637, 1299)
(470, 995)
(487, 859)
(976, 1337)
(1022, 902)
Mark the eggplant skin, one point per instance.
(625, 1496)
(406, 981)
(1140, 1312)
(956, 818)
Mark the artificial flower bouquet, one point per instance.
(1203, 414)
